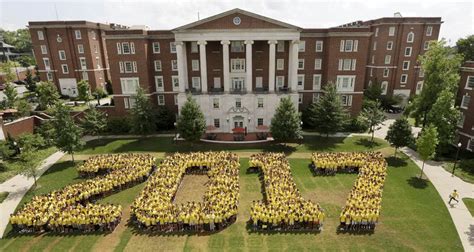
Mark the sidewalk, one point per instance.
(17, 187)
(445, 184)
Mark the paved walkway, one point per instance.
(17, 187)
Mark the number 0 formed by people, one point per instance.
(154, 209)
(70, 208)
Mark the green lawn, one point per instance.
(413, 217)
(464, 169)
(14, 166)
(469, 204)
(3, 196)
(166, 144)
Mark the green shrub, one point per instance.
(356, 124)
(29, 141)
(120, 125)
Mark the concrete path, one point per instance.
(17, 187)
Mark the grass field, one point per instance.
(469, 204)
(3, 196)
(464, 169)
(413, 217)
(13, 167)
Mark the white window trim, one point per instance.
(119, 48)
(300, 87)
(317, 86)
(376, 32)
(44, 49)
(280, 64)
(40, 35)
(195, 65)
(76, 33)
(412, 37)
(391, 31)
(214, 103)
(49, 63)
(302, 46)
(67, 68)
(426, 45)
(348, 102)
(59, 54)
(300, 98)
(158, 89)
(80, 49)
(401, 78)
(172, 47)
(429, 30)
(467, 82)
(316, 67)
(374, 46)
(123, 47)
(153, 47)
(173, 78)
(384, 89)
(262, 103)
(124, 80)
(300, 60)
(156, 64)
(161, 103)
(316, 97)
(339, 80)
(389, 48)
(462, 101)
(405, 52)
(172, 65)
(233, 64)
(408, 66)
(319, 42)
(418, 90)
(386, 70)
(194, 81)
(389, 59)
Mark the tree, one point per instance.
(373, 92)
(327, 116)
(441, 68)
(93, 122)
(191, 123)
(47, 95)
(20, 39)
(445, 117)
(26, 60)
(68, 134)
(465, 47)
(30, 82)
(29, 158)
(165, 118)
(23, 107)
(286, 122)
(83, 90)
(5, 151)
(9, 74)
(399, 134)
(143, 116)
(426, 144)
(48, 132)
(30, 142)
(374, 116)
(11, 95)
(99, 93)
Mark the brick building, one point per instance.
(238, 64)
(465, 93)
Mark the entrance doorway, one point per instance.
(238, 121)
(237, 84)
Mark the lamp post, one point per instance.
(456, 159)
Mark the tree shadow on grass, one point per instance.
(417, 183)
(396, 161)
(322, 143)
(367, 143)
(250, 229)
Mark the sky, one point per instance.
(458, 16)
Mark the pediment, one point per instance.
(236, 19)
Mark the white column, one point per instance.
(271, 66)
(248, 65)
(181, 65)
(290, 62)
(225, 64)
(203, 65)
(294, 65)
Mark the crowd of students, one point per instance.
(71, 208)
(283, 207)
(362, 208)
(154, 209)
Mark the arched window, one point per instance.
(384, 87)
(410, 37)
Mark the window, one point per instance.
(121, 66)
(238, 102)
(429, 30)
(280, 82)
(465, 101)
(237, 46)
(159, 84)
(175, 82)
(161, 100)
(300, 98)
(195, 65)
(419, 87)
(62, 55)
(132, 47)
(461, 120)
(403, 78)
(300, 83)
(426, 45)
(175, 99)
(316, 82)
(93, 35)
(194, 47)
(237, 65)
(319, 46)
(215, 103)
(259, 82)
(156, 47)
(373, 59)
(217, 123)
(40, 35)
(196, 83)
(129, 102)
(128, 65)
(259, 121)
(316, 97)
(119, 48)
(302, 46)
(174, 65)
(318, 64)
(345, 82)
(389, 45)
(78, 34)
(376, 32)
(260, 102)
(80, 49)
(348, 45)
(157, 65)
(97, 62)
(386, 72)
(391, 31)
(374, 47)
(280, 64)
(410, 37)
(388, 58)
(49, 76)
(85, 75)
(300, 64)
(129, 85)
(371, 72)
(422, 73)
(406, 65)
(407, 51)
(370, 83)
(126, 48)
(172, 47)
(347, 64)
(470, 82)
(217, 82)
(47, 64)
(65, 68)
(384, 87)
(44, 50)
(346, 100)
(281, 46)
